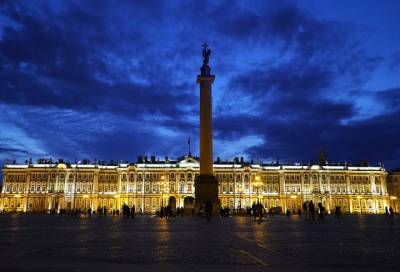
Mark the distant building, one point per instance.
(150, 184)
(393, 185)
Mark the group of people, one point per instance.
(205, 210)
(224, 212)
(128, 212)
(310, 211)
(338, 212)
(256, 210)
(180, 212)
(166, 212)
(389, 211)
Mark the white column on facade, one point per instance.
(302, 191)
(27, 189)
(282, 189)
(234, 190)
(48, 195)
(143, 175)
(348, 183)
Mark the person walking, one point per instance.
(321, 212)
(260, 210)
(133, 210)
(337, 212)
(254, 210)
(305, 211)
(391, 211)
(168, 211)
(311, 209)
(208, 210)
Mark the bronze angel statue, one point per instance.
(206, 53)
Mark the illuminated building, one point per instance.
(393, 185)
(149, 183)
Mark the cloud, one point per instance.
(395, 61)
(116, 81)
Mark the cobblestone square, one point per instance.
(54, 243)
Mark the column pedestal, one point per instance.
(207, 188)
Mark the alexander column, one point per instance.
(206, 184)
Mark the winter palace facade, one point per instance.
(151, 184)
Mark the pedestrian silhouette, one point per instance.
(208, 209)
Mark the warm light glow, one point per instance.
(257, 182)
(249, 189)
(163, 183)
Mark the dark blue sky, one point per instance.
(113, 80)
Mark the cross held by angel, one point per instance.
(206, 53)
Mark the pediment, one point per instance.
(189, 161)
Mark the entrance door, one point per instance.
(172, 203)
(188, 202)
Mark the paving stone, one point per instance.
(54, 243)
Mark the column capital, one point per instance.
(201, 78)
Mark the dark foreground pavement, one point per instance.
(52, 243)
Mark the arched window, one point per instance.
(315, 178)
